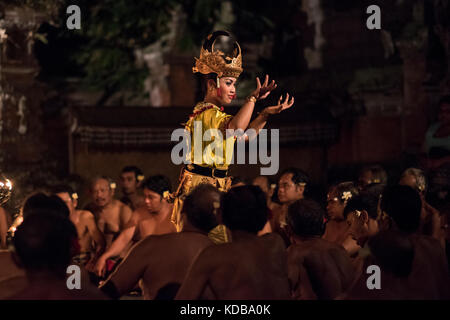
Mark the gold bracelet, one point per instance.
(251, 99)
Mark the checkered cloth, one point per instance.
(160, 136)
(149, 127)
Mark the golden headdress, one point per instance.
(215, 61)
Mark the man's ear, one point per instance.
(365, 216)
(301, 189)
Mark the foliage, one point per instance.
(111, 31)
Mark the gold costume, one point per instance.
(213, 156)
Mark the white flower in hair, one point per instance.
(140, 177)
(113, 185)
(166, 194)
(346, 195)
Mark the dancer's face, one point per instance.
(227, 90)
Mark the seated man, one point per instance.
(162, 261)
(44, 246)
(317, 268)
(250, 267)
(427, 276)
(131, 178)
(90, 238)
(152, 219)
(430, 219)
(12, 278)
(291, 187)
(112, 216)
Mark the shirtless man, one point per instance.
(250, 267)
(337, 228)
(130, 181)
(317, 268)
(422, 274)
(264, 183)
(12, 278)
(165, 266)
(152, 219)
(111, 214)
(430, 219)
(43, 247)
(90, 239)
(291, 187)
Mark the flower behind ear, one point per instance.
(347, 195)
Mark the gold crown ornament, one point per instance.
(215, 61)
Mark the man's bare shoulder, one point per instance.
(86, 215)
(274, 240)
(141, 212)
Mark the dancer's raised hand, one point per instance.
(262, 91)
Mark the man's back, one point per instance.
(160, 260)
(252, 268)
(12, 279)
(318, 269)
(429, 274)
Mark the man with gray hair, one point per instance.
(430, 219)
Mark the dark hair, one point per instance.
(244, 208)
(42, 202)
(237, 179)
(403, 205)
(44, 242)
(367, 200)
(393, 252)
(379, 175)
(204, 78)
(343, 187)
(298, 176)
(199, 208)
(136, 170)
(63, 189)
(157, 183)
(306, 218)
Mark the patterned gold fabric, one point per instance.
(208, 116)
(188, 181)
(218, 152)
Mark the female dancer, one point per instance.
(220, 73)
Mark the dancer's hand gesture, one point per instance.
(282, 105)
(262, 91)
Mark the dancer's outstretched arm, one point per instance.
(261, 120)
(242, 118)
